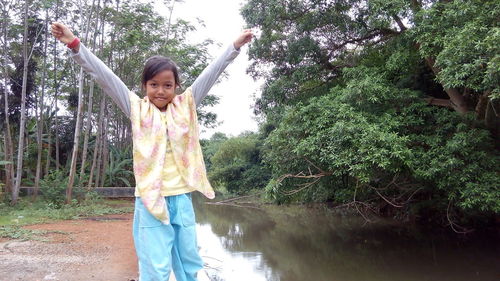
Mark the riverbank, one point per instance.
(431, 222)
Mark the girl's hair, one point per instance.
(157, 64)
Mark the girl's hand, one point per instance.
(244, 38)
(62, 33)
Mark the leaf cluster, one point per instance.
(235, 164)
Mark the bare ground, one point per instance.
(99, 249)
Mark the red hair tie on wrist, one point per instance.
(74, 43)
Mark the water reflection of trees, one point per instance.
(302, 244)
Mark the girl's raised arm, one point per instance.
(107, 80)
(209, 76)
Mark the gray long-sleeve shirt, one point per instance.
(118, 91)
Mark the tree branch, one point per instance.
(356, 206)
(38, 33)
(457, 100)
(439, 102)
(235, 198)
(385, 199)
(301, 175)
(482, 105)
(370, 35)
(402, 27)
(453, 225)
(233, 205)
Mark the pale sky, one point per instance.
(223, 24)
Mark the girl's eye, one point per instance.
(153, 84)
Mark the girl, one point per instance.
(168, 164)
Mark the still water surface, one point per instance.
(298, 244)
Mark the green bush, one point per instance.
(53, 187)
(236, 165)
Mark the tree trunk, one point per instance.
(56, 95)
(99, 154)
(19, 168)
(87, 132)
(49, 148)
(171, 9)
(78, 125)
(457, 100)
(9, 168)
(97, 142)
(89, 108)
(56, 121)
(123, 135)
(492, 120)
(76, 139)
(9, 147)
(105, 152)
(39, 121)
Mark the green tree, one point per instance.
(385, 105)
(236, 165)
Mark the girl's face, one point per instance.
(161, 89)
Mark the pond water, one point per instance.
(298, 244)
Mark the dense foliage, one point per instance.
(235, 164)
(384, 106)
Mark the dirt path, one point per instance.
(97, 249)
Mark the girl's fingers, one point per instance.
(55, 29)
(60, 31)
(58, 25)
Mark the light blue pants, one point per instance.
(161, 248)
